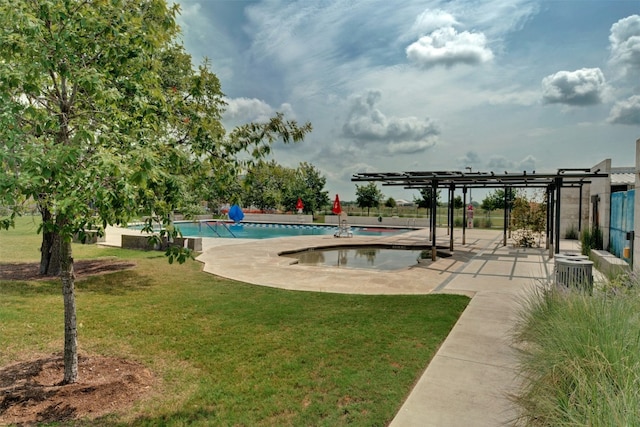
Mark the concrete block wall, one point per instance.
(602, 188)
(570, 209)
(379, 221)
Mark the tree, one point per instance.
(102, 118)
(390, 203)
(308, 185)
(268, 185)
(457, 202)
(425, 201)
(263, 184)
(368, 196)
(528, 219)
(495, 200)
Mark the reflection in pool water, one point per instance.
(365, 257)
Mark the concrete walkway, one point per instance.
(468, 381)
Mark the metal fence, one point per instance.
(622, 208)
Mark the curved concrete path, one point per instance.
(468, 381)
(258, 262)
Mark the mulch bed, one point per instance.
(31, 391)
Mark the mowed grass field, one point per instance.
(227, 353)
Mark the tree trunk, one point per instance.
(50, 248)
(70, 328)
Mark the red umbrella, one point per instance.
(299, 205)
(336, 206)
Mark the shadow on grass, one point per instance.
(27, 288)
(119, 283)
(197, 416)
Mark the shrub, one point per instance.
(590, 239)
(488, 223)
(579, 360)
(571, 233)
(524, 238)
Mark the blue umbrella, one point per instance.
(236, 214)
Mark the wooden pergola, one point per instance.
(551, 183)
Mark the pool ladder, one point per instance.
(216, 231)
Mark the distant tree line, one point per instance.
(266, 185)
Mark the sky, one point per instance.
(429, 85)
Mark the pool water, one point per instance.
(250, 230)
(365, 257)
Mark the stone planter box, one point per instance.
(142, 242)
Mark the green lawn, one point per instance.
(228, 353)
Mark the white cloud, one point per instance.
(581, 87)
(430, 20)
(625, 43)
(366, 123)
(527, 164)
(470, 159)
(253, 110)
(626, 112)
(513, 96)
(500, 164)
(445, 46)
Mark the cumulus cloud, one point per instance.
(527, 164)
(626, 112)
(431, 20)
(252, 110)
(500, 164)
(470, 159)
(581, 87)
(625, 43)
(366, 123)
(445, 46)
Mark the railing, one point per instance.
(224, 225)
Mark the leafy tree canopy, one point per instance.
(268, 185)
(102, 118)
(425, 201)
(496, 199)
(390, 203)
(368, 196)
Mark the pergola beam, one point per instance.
(563, 178)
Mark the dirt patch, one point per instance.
(82, 268)
(30, 391)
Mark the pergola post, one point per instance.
(506, 207)
(451, 214)
(552, 209)
(557, 223)
(434, 199)
(464, 215)
(548, 222)
(580, 211)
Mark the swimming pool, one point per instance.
(376, 257)
(255, 230)
(364, 257)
